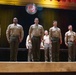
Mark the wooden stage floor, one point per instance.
(37, 67)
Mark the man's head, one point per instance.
(46, 32)
(36, 21)
(55, 23)
(15, 20)
(70, 27)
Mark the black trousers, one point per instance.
(36, 40)
(55, 49)
(71, 51)
(14, 43)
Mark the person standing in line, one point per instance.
(29, 47)
(47, 47)
(14, 34)
(56, 39)
(36, 33)
(70, 39)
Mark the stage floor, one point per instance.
(32, 67)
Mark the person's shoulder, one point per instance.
(58, 28)
(40, 25)
(66, 33)
(32, 25)
(10, 25)
(50, 28)
(74, 32)
(19, 25)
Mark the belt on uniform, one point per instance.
(14, 35)
(55, 38)
(70, 41)
(37, 36)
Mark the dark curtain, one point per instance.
(6, 15)
(64, 18)
(45, 15)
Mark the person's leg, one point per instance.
(38, 48)
(50, 52)
(73, 56)
(34, 43)
(70, 51)
(53, 50)
(29, 53)
(11, 48)
(45, 52)
(16, 45)
(32, 57)
(57, 50)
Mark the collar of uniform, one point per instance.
(70, 31)
(36, 25)
(14, 24)
(55, 27)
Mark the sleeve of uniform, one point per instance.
(50, 34)
(30, 31)
(8, 32)
(42, 32)
(60, 35)
(75, 37)
(66, 38)
(22, 34)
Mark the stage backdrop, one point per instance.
(45, 15)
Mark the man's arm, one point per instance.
(30, 31)
(21, 34)
(60, 37)
(66, 39)
(8, 33)
(75, 38)
(50, 34)
(42, 35)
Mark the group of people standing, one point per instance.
(39, 39)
